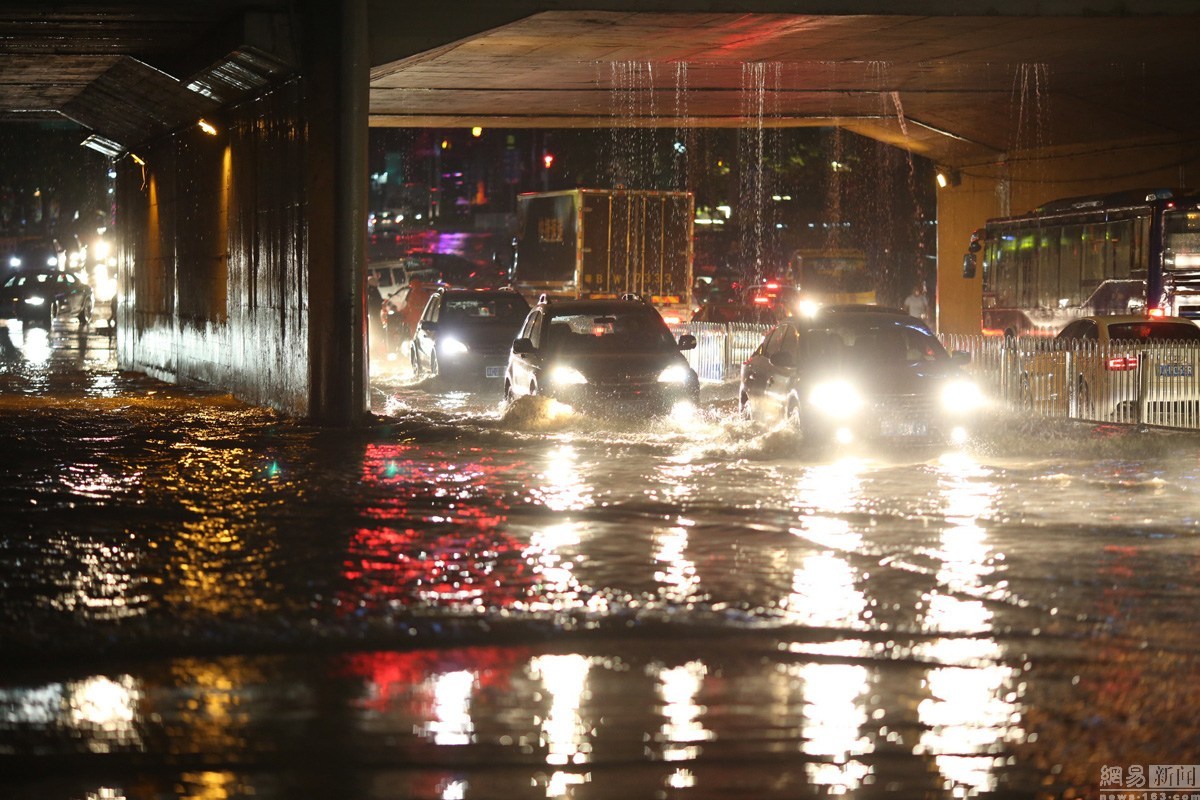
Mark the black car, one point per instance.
(466, 333)
(41, 295)
(602, 355)
(38, 254)
(865, 373)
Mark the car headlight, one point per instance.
(567, 375)
(14, 262)
(837, 399)
(676, 373)
(451, 347)
(961, 396)
(35, 300)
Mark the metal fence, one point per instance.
(1149, 383)
(720, 347)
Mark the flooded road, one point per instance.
(206, 600)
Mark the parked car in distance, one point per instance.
(38, 296)
(848, 373)
(466, 333)
(1094, 362)
(602, 356)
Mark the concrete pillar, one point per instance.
(338, 70)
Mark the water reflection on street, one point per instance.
(206, 600)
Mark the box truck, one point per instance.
(603, 243)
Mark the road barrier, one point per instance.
(1139, 382)
(720, 347)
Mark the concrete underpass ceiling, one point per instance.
(959, 90)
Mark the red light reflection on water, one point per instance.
(394, 678)
(440, 538)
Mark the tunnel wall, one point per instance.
(1027, 180)
(213, 287)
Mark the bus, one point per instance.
(1128, 252)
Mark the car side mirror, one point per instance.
(427, 326)
(687, 342)
(969, 266)
(523, 346)
(784, 360)
(960, 357)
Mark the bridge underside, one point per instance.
(959, 90)
(243, 258)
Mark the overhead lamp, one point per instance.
(207, 127)
(947, 176)
(137, 160)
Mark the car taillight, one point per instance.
(1156, 312)
(1121, 363)
(761, 299)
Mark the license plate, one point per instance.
(903, 428)
(492, 372)
(1175, 370)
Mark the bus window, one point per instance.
(1070, 254)
(1047, 268)
(1095, 256)
(1122, 247)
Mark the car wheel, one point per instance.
(792, 415)
(433, 363)
(744, 406)
(85, 314)
(415, 359)
(533, 389)
(508, 392)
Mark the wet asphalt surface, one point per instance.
(204, 599)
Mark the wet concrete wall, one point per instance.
(214, 232)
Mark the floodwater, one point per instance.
(205, 600)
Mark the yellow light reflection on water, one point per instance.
(35, 346)
(562, 487)
(677, 578)
(971, 710)
(833, 721)
(825, 592)
(451, 723)
(835, 489)
(215, 701)
(211, 785)
(564, 734)
(555, 571)
(678, 688)
(825, 586)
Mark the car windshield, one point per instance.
(1154, 331)
(610, 332)
(483, 308)
(892, 343)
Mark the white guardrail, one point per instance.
(1136, 382)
